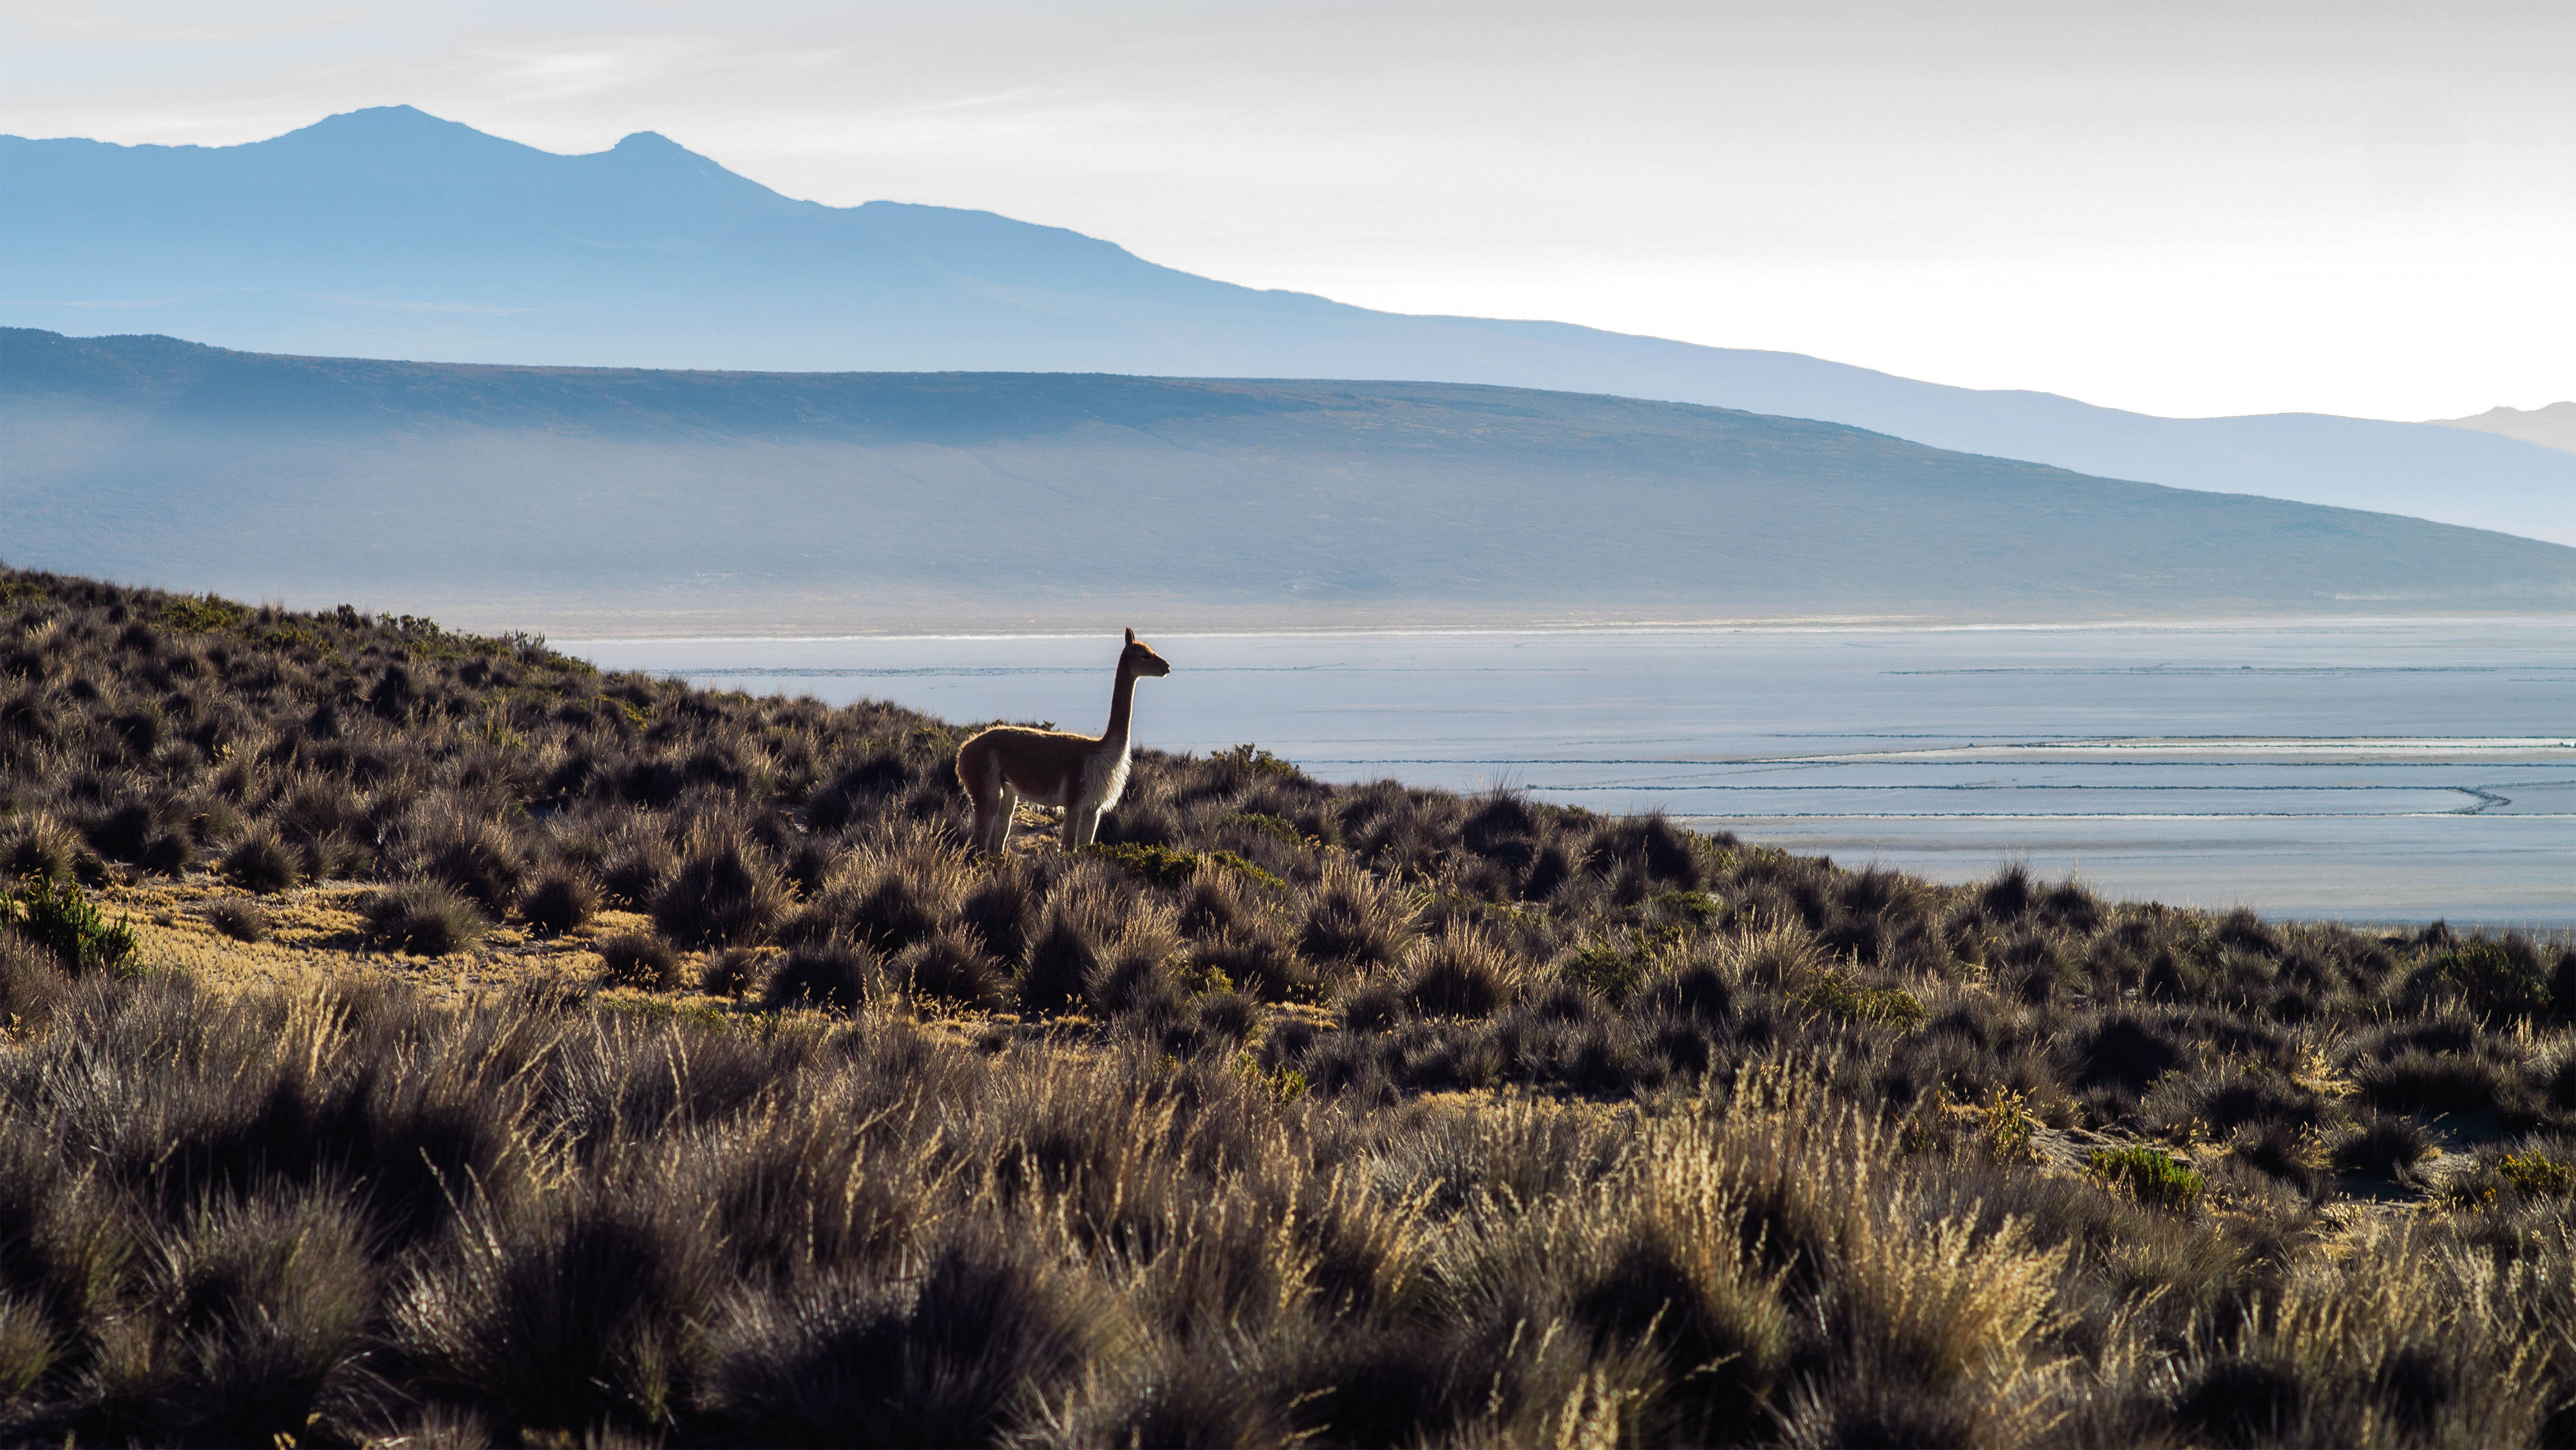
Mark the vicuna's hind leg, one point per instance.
(980, 772)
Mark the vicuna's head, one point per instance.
(1139, 658)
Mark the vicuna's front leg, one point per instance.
(998, 839)
(1079, 826)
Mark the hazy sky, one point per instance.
(2357, 207)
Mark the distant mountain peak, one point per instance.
(653, 149)
(385, 132)
(2507, 415)
(381, 120)
(2551, 426)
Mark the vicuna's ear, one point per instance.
(1131, 636)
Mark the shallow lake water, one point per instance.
(2396, 771)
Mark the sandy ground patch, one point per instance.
(319, 930)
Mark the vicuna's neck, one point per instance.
(1122, 707)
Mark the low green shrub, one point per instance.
(1611, 969)
(1159, 864)
(1165, 866)
(660, 1010)
(1235, 863)
(1251, 759)
(2488, 976)
(200, 615)
(59, 917)
(1701, 908)
(2150, 1175)
(2537, 1175)
(1285, 832)
(1835, 995)
(2006, 1127)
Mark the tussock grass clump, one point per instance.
(38, 847)
(2437, 1082)
(640, 959)
(2383, 1147)
(1353, 919)
(563, 899)
(725, 893)
(32, 980)
(243, 921)
(2504, 977)
(481, 861)
(1065, 952)
(638, 867)
(261, 861)
(731, 972)
(1001, 908)
(425, 918)
(1260, 960)
(1463, 974)
(831, 976)
(950, 966)
(1138, 973)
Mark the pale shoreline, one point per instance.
(1782, 625)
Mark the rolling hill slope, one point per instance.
(390, 233)
(584, 497)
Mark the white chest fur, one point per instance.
(1104, 776)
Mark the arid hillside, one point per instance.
(416, 1036)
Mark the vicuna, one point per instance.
(1084, 774)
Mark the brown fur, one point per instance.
(1081, 773)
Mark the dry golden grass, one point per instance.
(319, 932)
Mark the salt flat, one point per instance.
(2400, 770)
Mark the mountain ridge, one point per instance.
(476, 248)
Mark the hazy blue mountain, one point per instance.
(390, 233)
(583, 498)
